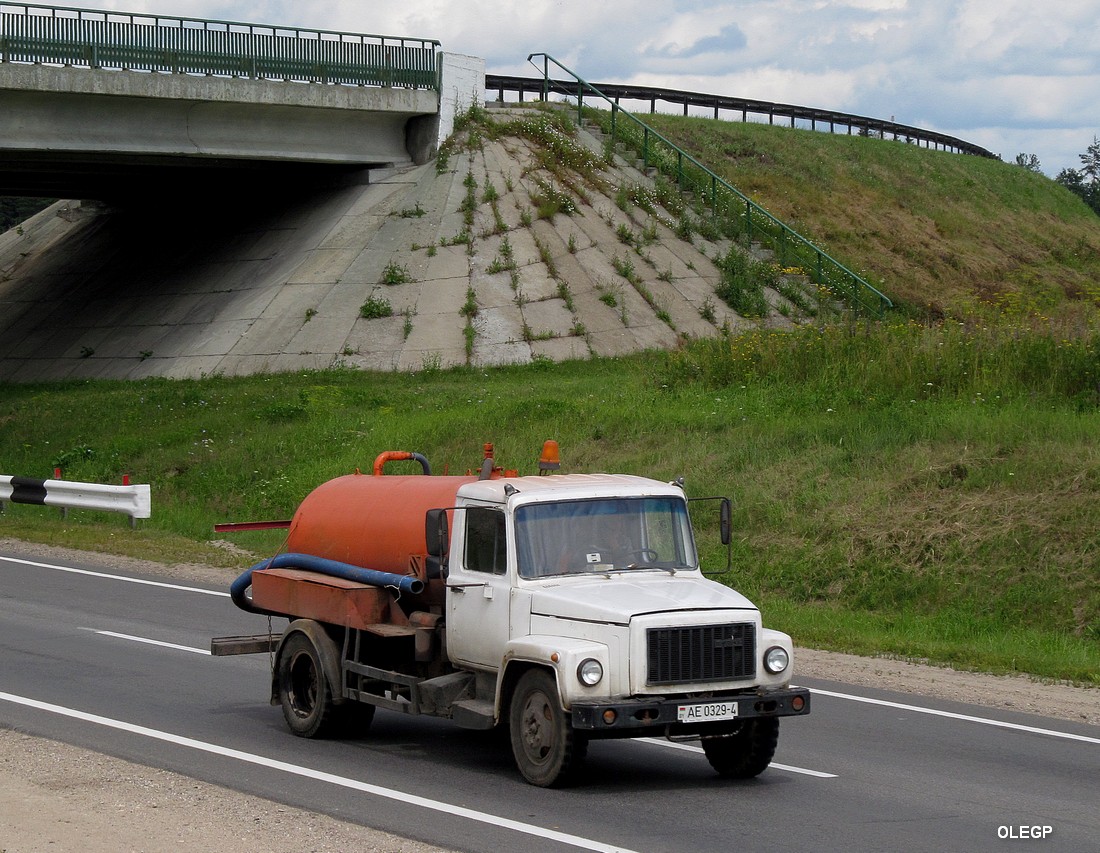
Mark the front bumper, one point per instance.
(658, 715)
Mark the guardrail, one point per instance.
(861, 125)
(726, 201)
(132, 500)
(137, 42)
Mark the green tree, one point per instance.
(1029, 162)
(1090, 162)
(1085, 181)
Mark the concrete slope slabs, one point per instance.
(494, 255)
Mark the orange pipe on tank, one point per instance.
(373, 522)
(389, 456)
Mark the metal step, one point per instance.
(473, 714)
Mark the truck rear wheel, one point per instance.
(304, 691)
(546, 748)
(747, 753)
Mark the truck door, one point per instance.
(478, 591)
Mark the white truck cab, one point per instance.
(585, 591)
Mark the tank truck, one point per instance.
(564, 607)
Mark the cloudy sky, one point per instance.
(1014, 76)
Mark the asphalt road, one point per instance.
(118, 663)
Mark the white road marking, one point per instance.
(108, 576)
(687, 747)
(867, 700)
(320, 776)
(951, 715)
(148, 641)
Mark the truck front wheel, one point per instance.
(748, 752)
(546, 748)
(304, 691)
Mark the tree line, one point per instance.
(1084, 182)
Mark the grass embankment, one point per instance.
(923, 492)
(935, 231)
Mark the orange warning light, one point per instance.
(550, 460)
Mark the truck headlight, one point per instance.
(776, 660)
(590, 672)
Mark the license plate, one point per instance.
(705, 713)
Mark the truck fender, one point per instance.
(326, 651)
(559, 655)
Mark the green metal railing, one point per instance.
(103, 39)
(724, 200)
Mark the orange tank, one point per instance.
(376, 522)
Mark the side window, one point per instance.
(485, 541)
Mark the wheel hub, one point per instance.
(538, 736)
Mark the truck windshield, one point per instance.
(612, 534)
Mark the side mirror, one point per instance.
(725, 524)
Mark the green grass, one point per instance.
(922, 489)
(932, 230)
(927, 492)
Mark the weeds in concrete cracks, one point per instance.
(375, 308)
(566, 295)
(395, 273)
(625, 268)
(547, 258)
(469, 307)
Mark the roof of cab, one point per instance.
(567, 487)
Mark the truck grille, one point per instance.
(701, 653)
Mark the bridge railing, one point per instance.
(727, 106)
(138, 42)
(724, 200)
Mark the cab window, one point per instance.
(485, 541)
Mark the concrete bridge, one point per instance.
(224, 182)
(105, 105)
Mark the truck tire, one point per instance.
(303, 689)
(747, 753)
(546, 748)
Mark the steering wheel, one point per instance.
(646, 555)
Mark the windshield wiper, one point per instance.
(640, 567)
